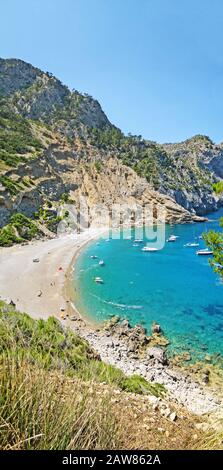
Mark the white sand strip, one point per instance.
(38, 287)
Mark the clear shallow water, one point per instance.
(173, 287)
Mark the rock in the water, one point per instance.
(156, 328)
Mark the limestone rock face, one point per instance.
(54, 141)
(16, 75)
(38, 95)
(115, 187)
(195, 164)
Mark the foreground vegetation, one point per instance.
(56, 393)
(47, 400)
(214, 241)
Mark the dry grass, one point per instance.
(42, 410)
(54, 394)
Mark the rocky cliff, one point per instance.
(57, 145)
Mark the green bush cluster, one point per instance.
(214, 241)
(20, 229)
(66, 198)
(48, 217)
(44, 403)
(218, 187)
(16, 137)
(98, 166)
(51, 347)
(13, 187)
(9, 236)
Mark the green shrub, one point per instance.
(218, 187)
(137, 384)
(98, 166)
(51, 347)
(12, 186)
(19, 229)
(8, 236)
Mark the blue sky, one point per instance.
(156, 66)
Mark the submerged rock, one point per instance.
(156, 328)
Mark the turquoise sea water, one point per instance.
(173, 287)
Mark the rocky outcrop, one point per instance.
(60, 170)
(129, 349)
(195, 164)
(71, 147)
(16, 75)
(38, 95)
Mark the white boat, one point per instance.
(94, 257)
(101, 262)
(204, 252)
(172, 238)
(149, 248)
(192, 244)
(138, 240)
(99, 280)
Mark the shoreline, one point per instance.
(68, 291)
(43, 289)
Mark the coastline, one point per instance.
(43, 289)
(68, 287)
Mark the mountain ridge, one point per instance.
(50, 137)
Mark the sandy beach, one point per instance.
(43, 288)
(38, 288)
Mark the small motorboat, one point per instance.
(192, 244)
(94, 257)
(172, 238)
(205, 252)
(149, 248)
(99, 280)
(101, 262)
(138, 240)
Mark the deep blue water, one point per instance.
(173, 287)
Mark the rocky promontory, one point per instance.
(131, 350)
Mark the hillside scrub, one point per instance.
(52, 347)
(19, 230)
(218, 187)
(16, 137)
(46, 376)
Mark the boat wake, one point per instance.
(120, 306)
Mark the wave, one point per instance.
(121, 306)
